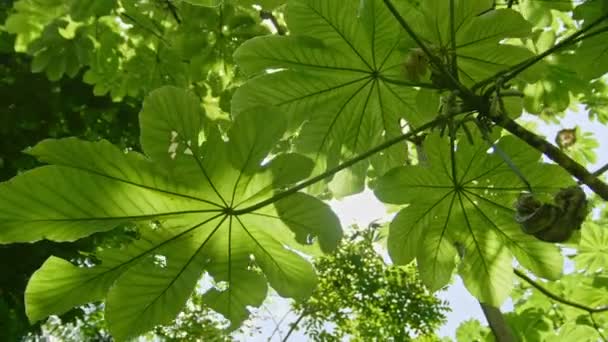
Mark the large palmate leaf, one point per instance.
(340, 72)
(461, 203)
(203, 214)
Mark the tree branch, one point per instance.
(601, 170)
(338, 168)
(278, 325)
(557, 298)
(268, 15)
(435, 62)
(294, 325)
(497, 323)
(555, 154)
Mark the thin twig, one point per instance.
(294, 325)
(483, 128)
(601, 170)
(557, 298)
(589, 35)
(555, 154)
(278, 325)
(273, 19)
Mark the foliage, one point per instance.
(35, 108)
(537, 317)
(194, 321)
(366, 299)
(235, 161)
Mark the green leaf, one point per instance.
(30, 17)
(309, 217)
(83, 9)
(478, 32)
(531, 324)
(59, 285)
(338, 72)
(233, 301)
(209, 218)
(592, 53)
(56, 55)
(171, 116)
(206, 3)
(267, 4)
(540, 12)
(462, 201)
(577, 332)
(592, 256)
(471, 330)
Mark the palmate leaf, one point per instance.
(340, 72)
(592, 256)
(193, 217)
(592, 52)
(462, 203)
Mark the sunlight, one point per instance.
(360, 209)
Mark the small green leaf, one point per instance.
(592, 256)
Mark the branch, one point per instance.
(555, 154)
(558, 298)
(435, 62)
(294, 325)
(338, 168)
(267, 15)
(510, 3)
(278, 325)
(601, 170)
(515, 70)
(497, 323)
(597, 327)
(589, 35)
